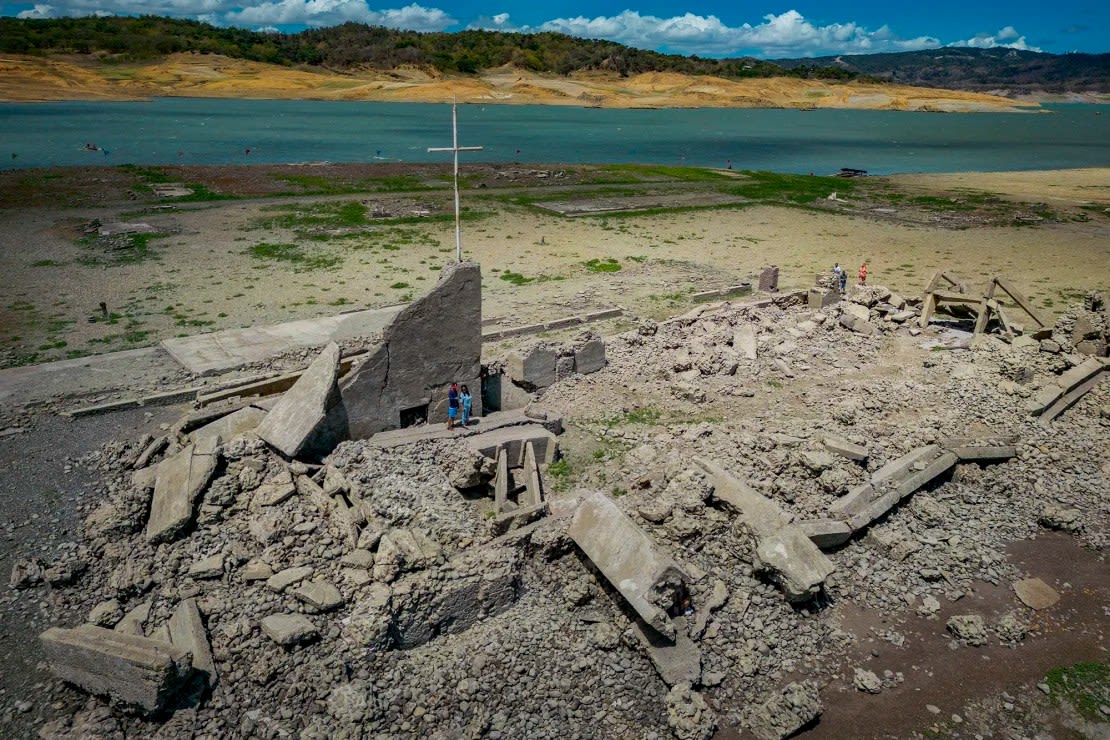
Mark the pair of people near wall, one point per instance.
(459, 403)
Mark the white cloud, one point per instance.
(39, 11)
(1006, 37)
(787, 34)
(333, 12)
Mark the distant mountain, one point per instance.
(353, 47)
(959, 68)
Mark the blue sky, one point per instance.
(712, 28)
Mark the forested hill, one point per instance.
(357, 47)
(962, 68)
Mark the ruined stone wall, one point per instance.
(433, 342)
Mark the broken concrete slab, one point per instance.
(210, 567)
(744, 341)
(645, 574)
(517, 518)
(134, 670)
(971, 449)
(786, 711)
(284, 579)
(401, 550)
(822, 298)
(289, 629)
(238, 422)
(1035, 593)
(590, 357)
(179, 483)
(514, 440)
(844, 448)
(134, 621)
(435, 341)
(532, 367)
(677, 661)
(319, 596)
(299, 423)
(783, 550)
(188, 633)
(890, 484)
(1055, 398)
(826, 533)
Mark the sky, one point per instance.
(709, 28)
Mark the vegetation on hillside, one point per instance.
(357, 46)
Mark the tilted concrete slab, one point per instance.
(229, 349)
(1076, 378)
(238, 422)
(434, 341)
(635, 564)
(135, 670)
(187, 632)
(299, 422)
(514, 439)
(677, 661)
(501, 482)
(532, 485)
(890, 484)
(590, 357)
(180, 481)
(794, 562)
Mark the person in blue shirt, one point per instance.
(452, 405)
(466, 405)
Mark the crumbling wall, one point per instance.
(435, 341)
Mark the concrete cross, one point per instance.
(456, 149)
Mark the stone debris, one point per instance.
(1057, 396)
(782, 549)
(1035, 593)
(132, 670)
(866, 681)
(419, 589)
(970, 629)
(786, 711)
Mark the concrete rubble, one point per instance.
(656, 571)
(782, 549)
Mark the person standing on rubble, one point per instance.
(863, 273)
(838, 274)
(452, 405)
(467, 404)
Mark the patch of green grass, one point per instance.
(776, 187)
(294, 255)
(1086, 686)
(603, 265)
(399, 286)
(640, 172)
(515, 278)
(638, 258)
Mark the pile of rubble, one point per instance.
(441, 583)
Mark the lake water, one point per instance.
(208, 131)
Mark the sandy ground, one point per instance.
(77, 77)
(203, 275)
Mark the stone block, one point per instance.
(826, 533)
(769, 279)
(188, 633)
(319, 596)
(179, 483)
(1035, 593)
(532, 485)
(744, 342)
(845, 448)
(134, 670)
(501, 481)
(590, 357)
(298, 423)
(786, 711)
(284, 579)
(476, 585)
(289, 629)
(979, 450)
(532, 368)
(823, 298)
(644, 573)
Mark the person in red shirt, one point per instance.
(863, 273)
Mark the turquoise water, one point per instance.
(206, 131)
